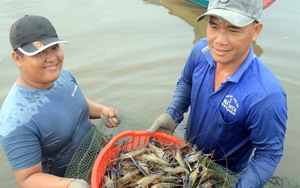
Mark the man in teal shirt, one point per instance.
(45, 115)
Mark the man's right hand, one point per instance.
(164, 123)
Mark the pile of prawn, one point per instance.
(156, 166)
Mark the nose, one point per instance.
(50, 55)
(221, 38)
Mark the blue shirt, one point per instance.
(44, 125)
(247, 112)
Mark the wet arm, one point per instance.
(97, 110)
(33, 177)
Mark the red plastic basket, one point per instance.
(112, 149)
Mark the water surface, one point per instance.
(129, 54)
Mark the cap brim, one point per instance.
(30, 49)
(234, 18)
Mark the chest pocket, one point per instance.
(226, 128)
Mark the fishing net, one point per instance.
(83, 159)
(86, 153)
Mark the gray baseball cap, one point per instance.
(33, 34)
(237, 12)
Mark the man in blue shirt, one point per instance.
(237, 106)
(45, 115)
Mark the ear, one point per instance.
(17, 58)
(257, 28)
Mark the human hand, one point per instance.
(164, 123)
(108, 117)
(78, 183)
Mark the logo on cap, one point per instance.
(223, 1)
(37, 44)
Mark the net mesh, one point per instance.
(83, 159)
(86, 153)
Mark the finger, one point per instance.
(150, 131)
(153, 128)
(115, 121)
(105, 121)
(111, 123)
(107, 124)
(112, 113)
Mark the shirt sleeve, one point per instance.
(267, 124)
(22, 148)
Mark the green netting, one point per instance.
(86, 153)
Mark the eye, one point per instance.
(233, 31)
(213, 26)
(55, 47)
(40, 53)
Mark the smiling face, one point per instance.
(230, 44)
(41, 70)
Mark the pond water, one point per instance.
(129, 54)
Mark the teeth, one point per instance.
(52, 67)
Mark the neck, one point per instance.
(23, 82)
(223, 73)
